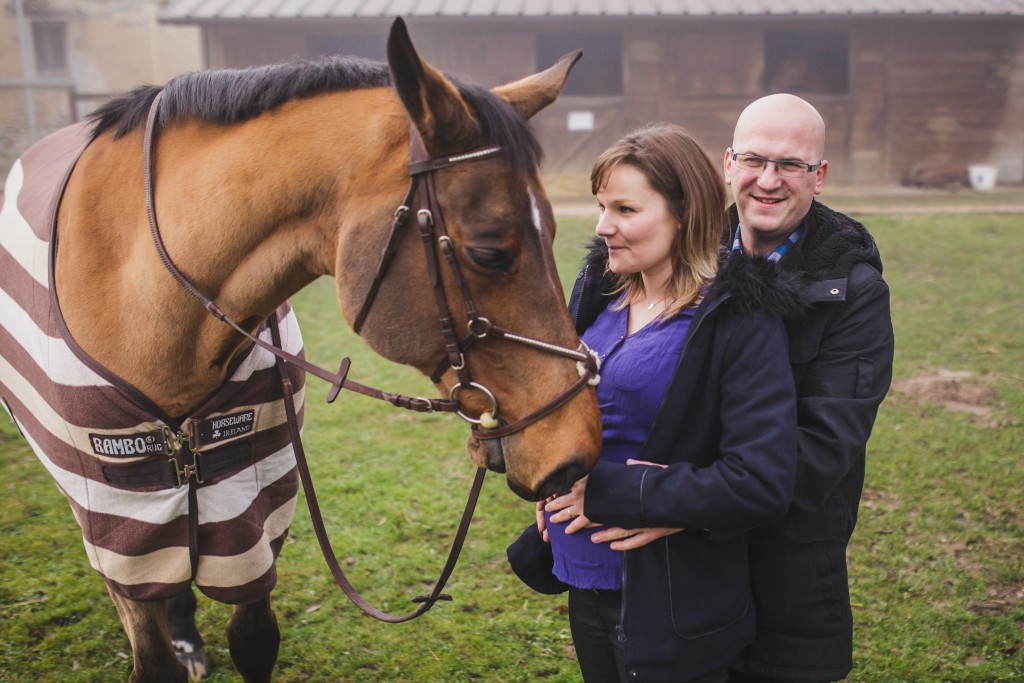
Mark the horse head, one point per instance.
(495, 268)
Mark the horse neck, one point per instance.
(249, 213)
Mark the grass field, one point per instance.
(937, 562)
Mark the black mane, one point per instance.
(236, 95)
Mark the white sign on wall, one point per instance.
(580, 120)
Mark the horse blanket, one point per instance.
(148, 530)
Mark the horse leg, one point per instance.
(147, 629)
(188, 644)
(253, 639)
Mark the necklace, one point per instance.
(652, 304)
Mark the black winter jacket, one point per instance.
(841, 355)
(727, 430)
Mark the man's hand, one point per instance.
(630, 539)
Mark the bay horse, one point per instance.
(250, 185)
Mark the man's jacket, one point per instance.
(841, 353)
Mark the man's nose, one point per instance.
(769, 176)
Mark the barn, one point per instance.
(907, 87)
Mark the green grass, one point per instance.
(937, 562)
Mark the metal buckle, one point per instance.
(460, 365)
(416, 402)
(185, 473)
(177, 440)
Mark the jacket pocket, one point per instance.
(865, 377)
(708, 586)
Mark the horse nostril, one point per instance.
(562, 478)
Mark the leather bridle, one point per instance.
(434, 235)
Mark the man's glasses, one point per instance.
(786, 169)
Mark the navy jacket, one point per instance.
(727, 430)
(841, 354)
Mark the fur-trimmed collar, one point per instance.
(755, 284)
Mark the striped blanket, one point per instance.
(113, 454)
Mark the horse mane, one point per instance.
(236, 95)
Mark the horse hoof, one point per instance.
(194, 659)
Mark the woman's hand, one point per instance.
(542, 523)
(568, 507)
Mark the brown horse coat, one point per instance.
(92, 430)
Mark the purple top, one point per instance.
(635, 374)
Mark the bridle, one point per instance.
(434, 236)
(434, 233)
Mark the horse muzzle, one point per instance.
(490, 453)
(487, 453)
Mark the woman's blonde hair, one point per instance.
(678, 169)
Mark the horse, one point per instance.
(245, 186)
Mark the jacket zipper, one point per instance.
(620, 629)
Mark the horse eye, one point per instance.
(492, 259)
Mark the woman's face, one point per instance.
(637, 226)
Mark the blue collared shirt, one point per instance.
(737, 244)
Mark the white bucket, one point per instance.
(983, 176)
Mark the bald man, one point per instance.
(841, 355)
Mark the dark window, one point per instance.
(797, 61)
(48, 38)
(600, 70)
(370, 45)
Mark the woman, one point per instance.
(699, 418)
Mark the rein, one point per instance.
(432, 231)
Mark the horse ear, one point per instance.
(439, 113)
(531, 94)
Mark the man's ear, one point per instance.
(820, 176)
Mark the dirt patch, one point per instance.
(999, 600)
(955, 390)
(881, 500)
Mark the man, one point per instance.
(841, 356)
